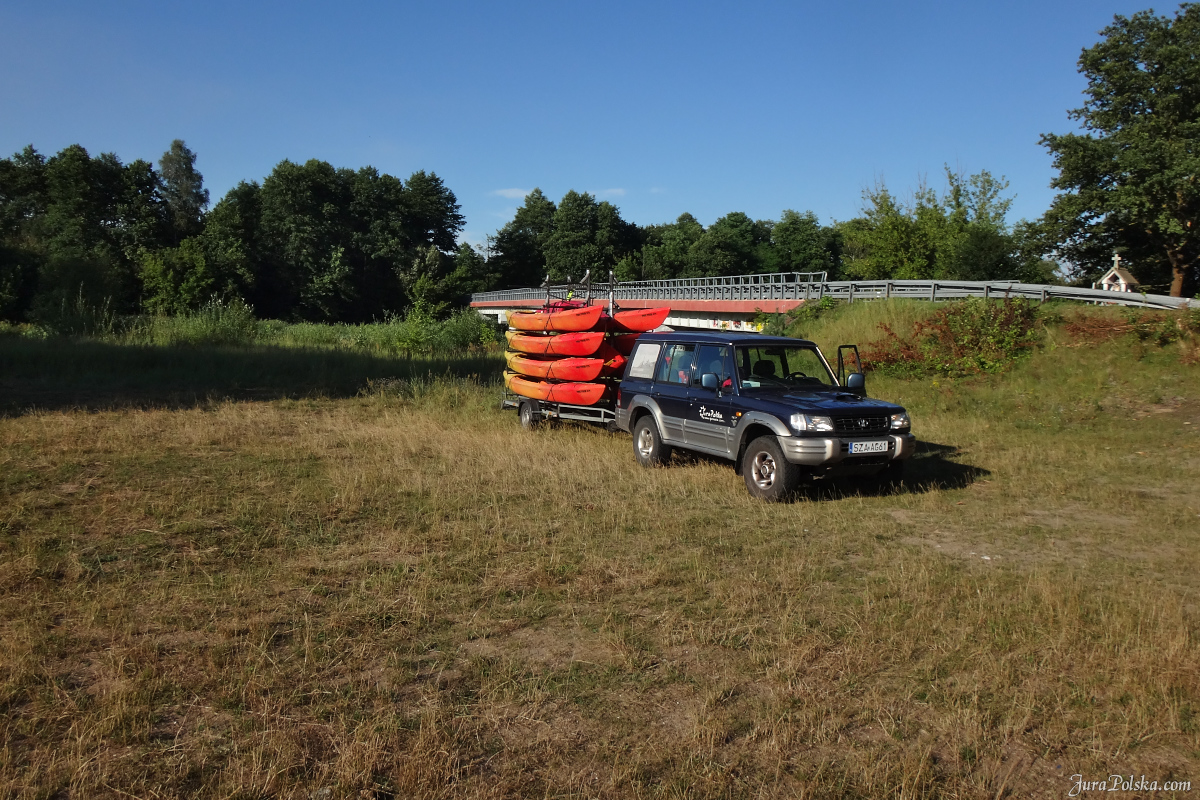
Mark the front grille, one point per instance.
(860, 424)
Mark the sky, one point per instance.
(659, 108)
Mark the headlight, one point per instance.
(804, 422)
(900, 422)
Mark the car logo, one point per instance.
(863, 422)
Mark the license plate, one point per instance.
(880, 446)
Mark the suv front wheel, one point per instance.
(648, 447)
(768, 475)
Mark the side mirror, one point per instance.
(709, 380)
(857, 383)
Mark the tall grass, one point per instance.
(404, 594)
(234, 324)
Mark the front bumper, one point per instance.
(815, 452)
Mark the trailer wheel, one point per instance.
(529, 414)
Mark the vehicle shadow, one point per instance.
(60, 374)
(933, 467)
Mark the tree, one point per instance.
(733, 245)
(802, 245)
(1130, 180)
(571, 249)
(431, 212)
(183, 189)
(960, 235)
(665, 252)
(518, 252)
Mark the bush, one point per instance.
(965, 337)
(217, 322)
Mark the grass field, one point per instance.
(246, 572)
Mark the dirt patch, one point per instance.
(555, 648)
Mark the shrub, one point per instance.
(965, 337)
(217, 322)
(1155, 327)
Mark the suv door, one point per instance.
(710, 412)
(671, 382)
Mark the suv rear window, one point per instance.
(643, 360)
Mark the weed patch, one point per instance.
(966, 337)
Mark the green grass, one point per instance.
(391, 590)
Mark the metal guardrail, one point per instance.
(813, 286)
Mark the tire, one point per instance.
(648, 447)
(768, 475)
(528, 414)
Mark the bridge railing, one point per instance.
(813, 286)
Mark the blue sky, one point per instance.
(660, 108)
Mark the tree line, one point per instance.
(960, 234)
(315, 242)
(311, 242)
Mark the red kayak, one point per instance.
(583, 318)
(576, 394)
(623, 343)
(614, 362)
(636, 320)
(557, 369)
(563, 344)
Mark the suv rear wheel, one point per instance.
(768, 475)
(648, 447)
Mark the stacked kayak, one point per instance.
(572, 352)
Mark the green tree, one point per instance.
(183, 190)
(22, 202)
(232, 247)
(431, 212)
(518, 253)
(177, 279)
(803, 245)
(1129, 181)
(665, 252)
(733, 245)
(960, 235)
(571, 248)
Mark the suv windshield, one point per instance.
(782, 367)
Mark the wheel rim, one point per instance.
(526, 415)
(645, 442)
(762, 469)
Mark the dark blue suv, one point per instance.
(772, 405)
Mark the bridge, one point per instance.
(732, 302)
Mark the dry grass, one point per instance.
(405, 595)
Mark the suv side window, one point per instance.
(643, 360)
(676, 365)
(713, 358)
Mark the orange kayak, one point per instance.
(576, 394)
(583, 318)
(636, 320)
(558, 369)
(563, 344)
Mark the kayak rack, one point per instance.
(599, 414)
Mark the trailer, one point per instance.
(533, 412)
